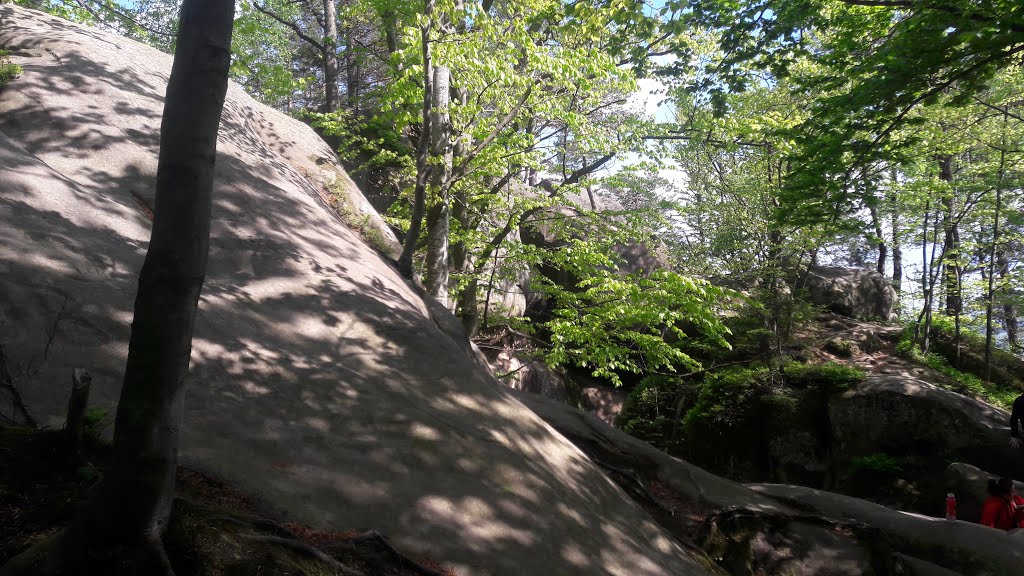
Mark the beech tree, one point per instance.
(120, 530)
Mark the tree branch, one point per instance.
(294, 27)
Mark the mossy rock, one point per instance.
(755, 424)
(840, 347)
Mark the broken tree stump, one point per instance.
(74, 425)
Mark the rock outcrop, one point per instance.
(970, 486)
(853, 292)
(321, 381)
(777, 529)
(927, 545)
(922, 426)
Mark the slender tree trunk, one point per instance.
(952, 269)
(929, 277)
(466, 305)
(992, 255)
(1009, 308)
(880, 239)
(924, 274)
(351, 75)
(951, 240)
(330, 57)
(897, 247)
(991, 276)
(405, 266)
(119, 531)
(439, 214)
(897, 258)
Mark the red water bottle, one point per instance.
(950, 506)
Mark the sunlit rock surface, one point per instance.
(319, 379)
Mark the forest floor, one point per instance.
(214, 530)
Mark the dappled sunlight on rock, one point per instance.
(475, 520)
(321, 381)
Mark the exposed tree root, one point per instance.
(302, 547)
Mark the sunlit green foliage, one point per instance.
(964, 382)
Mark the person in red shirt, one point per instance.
(1003, 509)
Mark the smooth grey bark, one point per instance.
(330, 57)
(439, 214)
(120, 529)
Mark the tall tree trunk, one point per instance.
(952, 269)
(351, 75)
(439, 214)
(120, 530)
(929, 276)
(1009, 308)
(991, 273)
(951, 240)
(897, 247)
(465, 305)
(879, 239)
(992, 254)
(897, 258)
(330, 57)
(405, 266)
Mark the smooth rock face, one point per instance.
(320, 379)
(853, 292)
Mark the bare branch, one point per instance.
(294, 27)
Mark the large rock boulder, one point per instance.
(923, 544)
(970, 486)
(321, 381)
(547, 230)
(762, 529)
(922, 428)
(853, 292)
(751, 543)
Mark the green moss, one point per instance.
(740, 412)
(840, 347)
(830, 377)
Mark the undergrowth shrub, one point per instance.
(8, 70)
(962, 382)
(740, 411)
(649, 412)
